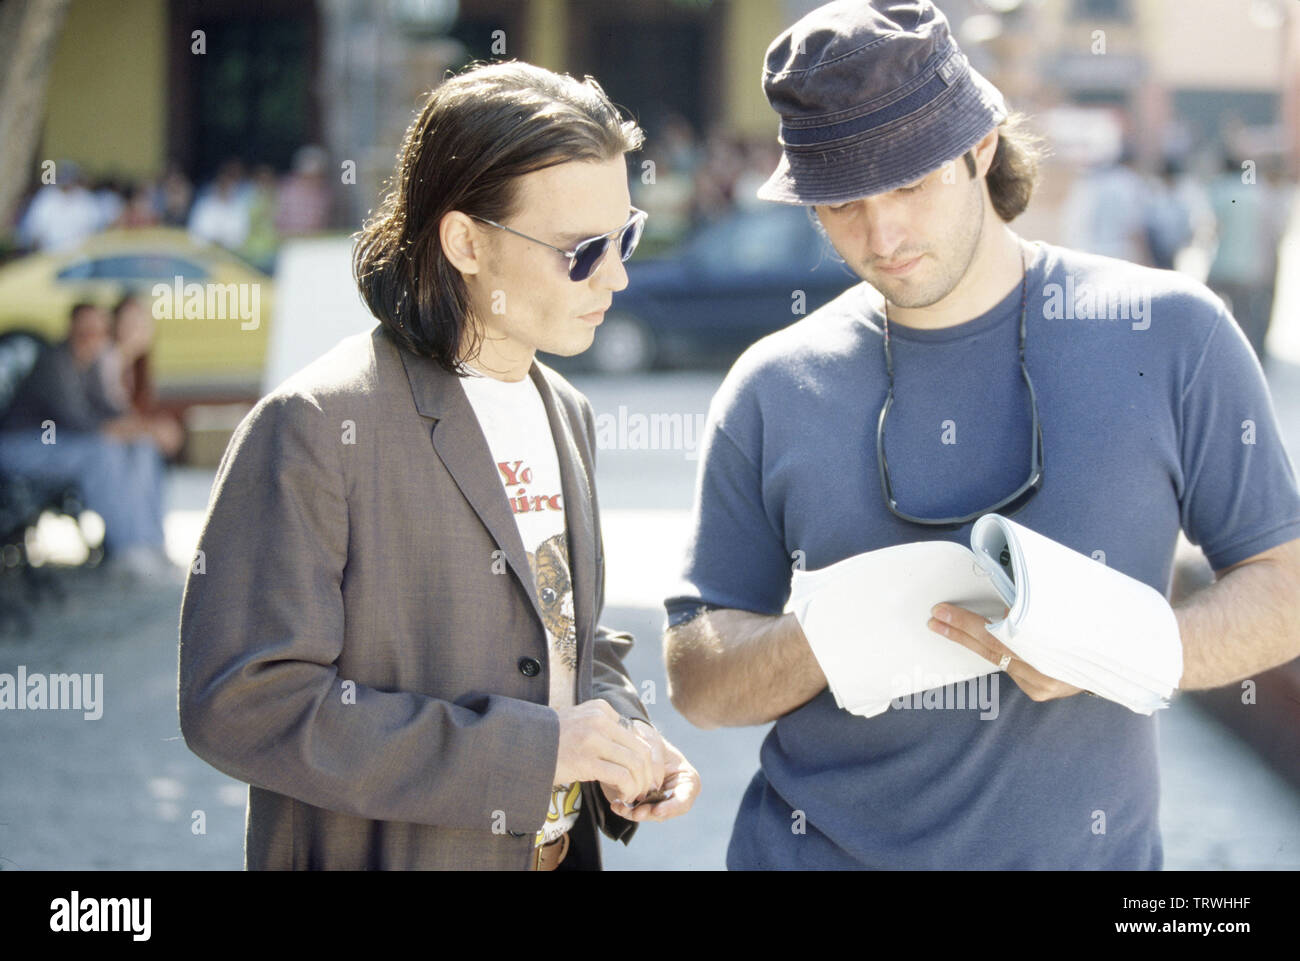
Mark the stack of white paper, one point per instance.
(1070, 617)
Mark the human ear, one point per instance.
(984, 151)
(460, 242)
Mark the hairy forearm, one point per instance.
(125, 427)
(729, 668)
(1246, 622)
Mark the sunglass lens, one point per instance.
(631, 237)
(587, 257)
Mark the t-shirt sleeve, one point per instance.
(735, 557)
(1239, 494)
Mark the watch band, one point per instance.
(685, 616)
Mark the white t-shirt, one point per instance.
(513, 419)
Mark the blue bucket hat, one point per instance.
(872, 97)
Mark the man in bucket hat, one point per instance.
(1104, 404)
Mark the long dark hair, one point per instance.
(479, 131)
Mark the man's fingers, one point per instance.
(608, 748)
(976, 625)
(655, 742)
(604, 708)
(617, 776)
(661, 811)
(636, 762)
(624, 734)
(684, 788)
(969, 630)
(628, 738)
(966, 640)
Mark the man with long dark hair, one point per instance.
(392, 628)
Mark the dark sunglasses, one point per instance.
(587, 255)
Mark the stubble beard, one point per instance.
(901, 294)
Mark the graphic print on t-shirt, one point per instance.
(518, 476)
(550, 566)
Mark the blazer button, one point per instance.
(530, 666)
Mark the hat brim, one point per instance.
(892, 157)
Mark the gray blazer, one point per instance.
(359, 635)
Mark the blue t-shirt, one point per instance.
(1155, 416)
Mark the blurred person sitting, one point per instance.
(125, 369)
(61, 214)
(110, 197)
(64, 427)
(220, 213)
(175, 194)
(304, 202)
(139, 210)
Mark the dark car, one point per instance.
(733, 281)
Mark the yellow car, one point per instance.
(210, 308)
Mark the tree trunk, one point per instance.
(29, 30)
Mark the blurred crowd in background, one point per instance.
(1215, 218)
(1221, 226)
(684, 181)
(246, 211)
(1212, 213)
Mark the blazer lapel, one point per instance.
(577, 513)
(459, 442)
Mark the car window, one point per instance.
(778, 240)
(81, 270)
(135, 267)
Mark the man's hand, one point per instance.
(163, 429)
(681, 783)
(969, 630)
(167, 433)
(598, 744)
